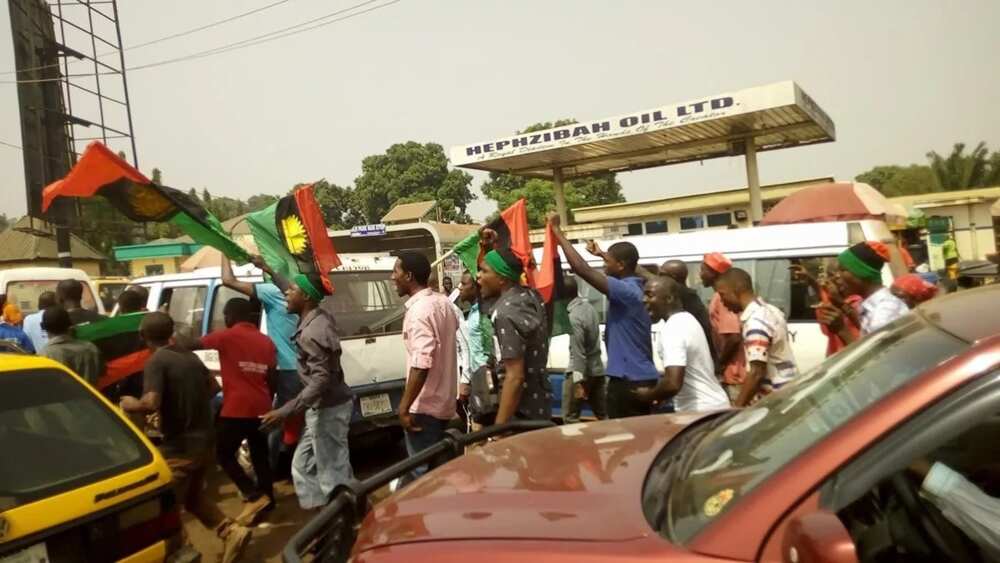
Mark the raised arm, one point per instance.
(279, 280)
(229, 279)
(596, 278)
(595, 249)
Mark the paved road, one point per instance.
(270, 537)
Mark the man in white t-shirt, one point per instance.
(688, 373)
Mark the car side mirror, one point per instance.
(818, 537)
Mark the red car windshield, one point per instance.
(745, 449)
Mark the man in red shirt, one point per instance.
(248, 362)
(726, 329)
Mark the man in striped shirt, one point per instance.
(770, 363)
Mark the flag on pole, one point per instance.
(292, 238)
(122, 349)
(512, 232)
(100, 172)
(269, 243)
(549, 283)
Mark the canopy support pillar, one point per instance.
(560, 196)
(753, 182)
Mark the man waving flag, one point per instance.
(511, 228)
(100, 172)
(292, 238)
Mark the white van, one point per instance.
(369, 321)
(766, 253)
(22, 286)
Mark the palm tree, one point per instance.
(959, 171)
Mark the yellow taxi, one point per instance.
(78, 482)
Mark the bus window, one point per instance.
(186, 306)
(217, 321)
(773, 282)
(366, 303)
(25, 294)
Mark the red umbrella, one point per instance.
(837, 201)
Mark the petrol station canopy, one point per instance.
(775, 116)
(764, 118)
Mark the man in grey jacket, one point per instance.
(586, 380)
(322, 458)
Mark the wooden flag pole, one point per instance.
(435, 263)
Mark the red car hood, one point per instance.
(575, 482)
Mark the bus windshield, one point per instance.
(366, 303)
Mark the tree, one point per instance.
(410, 172)
(338, 205)
(505, 189)
(260, 201)
(959, 171)
(4, 222)
(894, 181)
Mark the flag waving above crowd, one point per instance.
(511, 228)
(292, 238)
(100, 172)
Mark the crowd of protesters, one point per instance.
(284, 394)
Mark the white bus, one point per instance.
(369, 312)
(766, 253)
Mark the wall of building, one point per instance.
(170, 265)
(91, 267)
(973, 226)
(693, 220)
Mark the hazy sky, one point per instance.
(898, 78)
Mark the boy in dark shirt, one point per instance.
(178, 385)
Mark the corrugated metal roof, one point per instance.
(17, 244)
(237, 226)
(408, 212)
(953, 196)
(774, 116)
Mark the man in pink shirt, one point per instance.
(428, 402)
(726, 330)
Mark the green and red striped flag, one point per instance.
(100, 172)
(549, 282)
(512, 232)
(122, 349)
(292, 238)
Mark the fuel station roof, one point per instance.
(772, 117)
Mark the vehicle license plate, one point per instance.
(34, 554)
(375, 405)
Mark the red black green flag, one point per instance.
(301, 228)
(549, 282)
(122, 349)
(512, 232)
(100, 172)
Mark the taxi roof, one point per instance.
(16, 362)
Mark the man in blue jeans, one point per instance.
(429, 399)
(281, 327)
(322, 459)
(628, 328)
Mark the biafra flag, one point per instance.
(101, 172)
(122, 349)
(549, 282)
(512, 232)
(291, 236)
